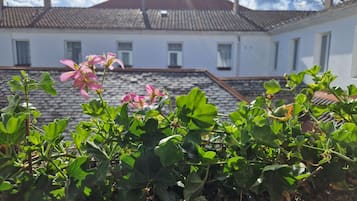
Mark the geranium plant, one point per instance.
(144, 150)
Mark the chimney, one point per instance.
(236, 6)
(47, 4)
(328, 4)
(143, 5)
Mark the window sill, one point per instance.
(22, 65)
(174, 66)
(128, 66)
(224, 68)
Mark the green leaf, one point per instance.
(80, 136)
(352, 90)
(16, 84)
(54, 129)
(264, 135)
(5, 186)
(13, 104)
(35, 138)
(46, 84)
(75, 170)
(128, 160)
(12, 129)
(193, 186)
(314, 70)
(300, 98)
(347, 133)
(94, 108)
(272, 87)
(169, 150)
(206, 156)
(194, 110)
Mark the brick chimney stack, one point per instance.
(328, 4)
(236, 6)
(47, 4)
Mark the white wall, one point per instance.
(343, 38)
(149, 49)
(255, 55)
(6, 58)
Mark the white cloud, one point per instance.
(252, 4)
(23, 2)
(66, 3)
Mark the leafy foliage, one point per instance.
(263, 151)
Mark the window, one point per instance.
(125, 51)
(276, 55)
(175, 54)
(354, 55)
(224, 56)
(74, 51)
(296, 43)
(324, 51)
(22, 49)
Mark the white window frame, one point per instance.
(15, 52)
(129, 52)
(230, 65)
(296, 43)
(66, 53)
(354, 56)
(177, 52)
(326, 53)
(276, 55)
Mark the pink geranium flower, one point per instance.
(153, 93)
(128, 98)
(110, 60)
(85, 82)
(84, 77)
(134, 100)
(93, 60)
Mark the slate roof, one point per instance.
(268, 19)
(176, 82)
(135, 19)
(170, 4)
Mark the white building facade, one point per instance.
(247, 48)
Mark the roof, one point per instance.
(68, 101)
(170, 4)
(135, 19)
(268, 19)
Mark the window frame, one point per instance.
(295, 54)
(16, 58)
(66, 53)
(129, 52)
(326, 52)
(179, 54)
(354, 55)
(221, 67)
(276, 55)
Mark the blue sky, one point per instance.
(254, 4)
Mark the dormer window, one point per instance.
(164, 13)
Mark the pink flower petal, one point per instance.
(94, 86)
(68, 63)
(84, 93)
(67, 75)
